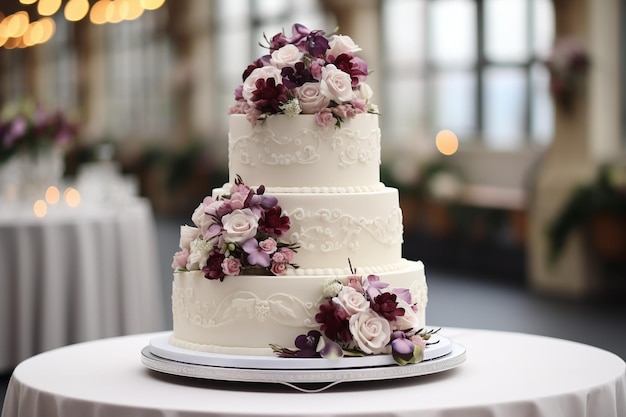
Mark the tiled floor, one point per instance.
(463, 300)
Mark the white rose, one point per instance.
(364, 92)
(287, 56)
(370, 331)
(198, 254)
(336, 84)
(410, 319)
(240, 225)
(187, 234)
(340, 44)
(249, 86)
(351, 300)
(311, 99)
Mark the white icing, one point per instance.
(284, 151)
(248, 313)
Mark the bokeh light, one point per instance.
(71, 197)
(447, 143)
(52, 195)
(40, 208)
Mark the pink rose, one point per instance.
(354, 281)
(288, 254)
(351, 300)
(240, 225)
(370, 332)
(311, 99)
(278, 268)
(237, 200)
(179, 260)
(268, 245)
(344, 111)
(286, 56)
(231, 266)
(341, 44)
(249, 85)
(316, 68)
(336, 84)
(325, 117)
(200, 217)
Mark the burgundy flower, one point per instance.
(258, 63)
(273, 222)
(278, 41)
(268, 96)
(354, 66)
(296, 76)
(213, 269)
(334, 322)
(386, 305)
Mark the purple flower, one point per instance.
(296, 76)
(404, 351)
(256, 255)
(307, 344)
(375, 285)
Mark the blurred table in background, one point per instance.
(81, 267)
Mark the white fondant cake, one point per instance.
(303, 214)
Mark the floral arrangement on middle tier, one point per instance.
(307, 73)
(236, 234)
(363, 316)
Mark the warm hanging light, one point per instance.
(97, 15)
(134, 9)
(49, 27)
(17, 25)
(75, 10)
(113, 12)
(152, 4)
(28, 1)
(48, 7)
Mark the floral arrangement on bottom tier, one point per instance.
(363, 316)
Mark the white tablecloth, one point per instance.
(505, 375)
(75, 275)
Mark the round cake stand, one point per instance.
(299, 376)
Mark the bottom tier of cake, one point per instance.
(246, 314)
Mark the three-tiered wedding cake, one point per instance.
(304, 236)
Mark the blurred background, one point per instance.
(533, 197)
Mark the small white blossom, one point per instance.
(332, 287)
(291, 108)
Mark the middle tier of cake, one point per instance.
(334, 229)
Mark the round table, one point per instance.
(77, 274)
(505, 374)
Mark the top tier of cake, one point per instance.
(296, 154)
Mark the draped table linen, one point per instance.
(76, 275)
(505, 374)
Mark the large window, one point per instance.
(138, 79)
(472, 66)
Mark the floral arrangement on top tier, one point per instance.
(308, 73)
(363, 316)
(28, 127)
(236, 234)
